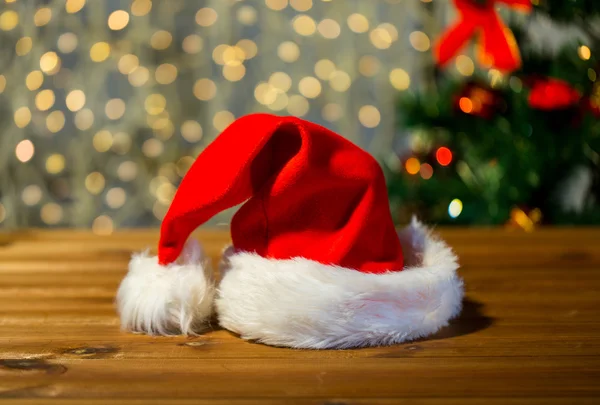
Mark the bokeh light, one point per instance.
(455, 208)
(444, 156)
(412, 165)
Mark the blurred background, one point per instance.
(105, 104)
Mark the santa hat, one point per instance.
(316, 261)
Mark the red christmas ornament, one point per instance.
(553, 94)
(497, 48)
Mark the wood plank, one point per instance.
(299, 401)
(529, 333)
(219, 378)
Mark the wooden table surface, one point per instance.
(529, 332)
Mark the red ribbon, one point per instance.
(498, 47)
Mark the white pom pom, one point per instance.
(163, 300)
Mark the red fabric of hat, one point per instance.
(316, 261)
(310, 193)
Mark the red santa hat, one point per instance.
(315, 262)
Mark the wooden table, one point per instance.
(529, 332)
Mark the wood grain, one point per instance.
(529, 332)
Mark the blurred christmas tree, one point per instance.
(518, 148)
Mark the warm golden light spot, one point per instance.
(23, 46)
(204, 89)
(301, 5)
(465, 65)
(74, 6)
(102, 141)
(230, 55)
(369, 65)
(155, 104)
(42, 16)
(31, 195)
(340, 81)
(304, 25)
(276, 5)
(55, 163)
(51, 213)
(127, 171)
(191, 131)
(192, 44)
(22, 117)
(219, 52)
(288, 51)
(115, 108)
(369, 116)
(298, 105)
(265, 93)
(153, 148)
(420, 41)
(116, 197)
(392, 30)
(8, 20)
(205, 17)
(67, 42)
(141, 7)
(100, 51)
(44, 100)
(380, 38)
(412, 166)
(332, 112)
(234, 73)
(329, 28)
(75, 100)
(400, 79)
(103, 225)
(139, 76)
(24, 151)
(2, 83)
(118, 20)
(248, 47)
(128, 63)
(584, 52)
(55, 121)
(280, 102)
(324, 69)
(246, 15)
(222, 120)
(165, 193)
(309, 87)
(84, 119)
(34, 80)
(281, 81)
(166, 73)
(50, 63)
(161, 40)
(358, 23)
(95, 182)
